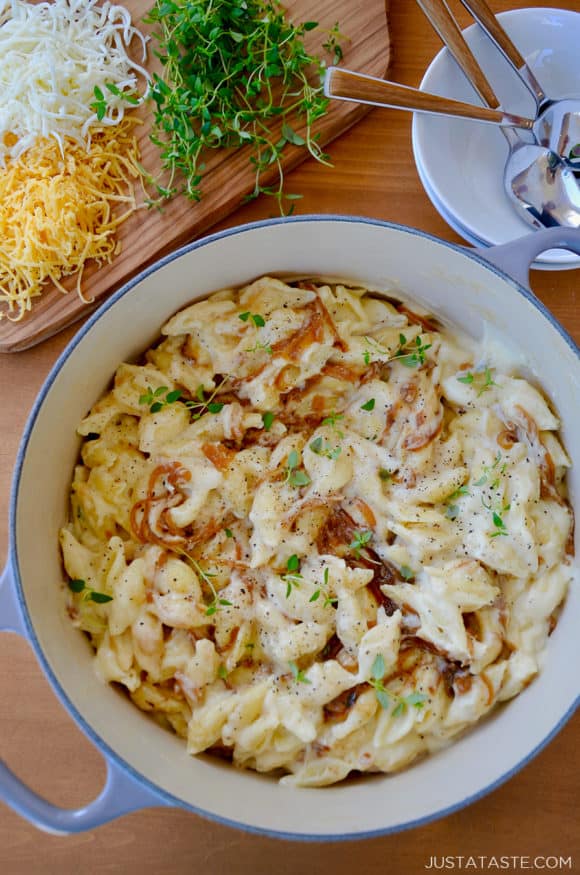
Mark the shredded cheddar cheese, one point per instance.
(56, 213)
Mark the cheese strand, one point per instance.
(57, 213)
(54, 55)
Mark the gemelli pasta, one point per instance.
(316, 533)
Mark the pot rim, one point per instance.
(165, 797)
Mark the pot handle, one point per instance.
(515, 257)
(122, 792)
(11, 619)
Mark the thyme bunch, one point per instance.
(235, 73)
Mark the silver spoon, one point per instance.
(558, 119)
(538, 182)
(342, 84)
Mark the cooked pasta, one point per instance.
(315, 532)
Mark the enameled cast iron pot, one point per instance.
(148, 766)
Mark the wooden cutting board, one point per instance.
(150, 234)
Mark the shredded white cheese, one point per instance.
(53, 55)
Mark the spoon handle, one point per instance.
(447, 28)
(347, 85)
(489, 23)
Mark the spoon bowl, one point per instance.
(558, 128)
(558, 118)
(547, 190)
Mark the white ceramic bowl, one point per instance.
(460, 162)
(149, 766)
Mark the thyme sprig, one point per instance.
(268, 419)
(235, 73)
(328, 600)
(385, 697)
(322, 448)
(292, 577)
(217, 601)
(100, 104)
(331, 421)
(298, 674)
(410, 353)
(259, 322)
(488, 481)
(480, 380)
(294, 475)
(359, 541)
(203, 403)
(491, 474)
(88, 595)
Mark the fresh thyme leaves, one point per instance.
(385, 474)
(407, 573)
(156, 402)
(416, 700)
(298, 674)
(452, 510)
(100, 104)
(376, 681)
(89, 595)
(482, 380)
(222, 672)
(488, 382)
(154, 399)
(360, 540)
(294, 476)
(500, 526)
(258, 320)
(384, 697)
(268, 419)
(372, 346)
(293, 563)
(331, 421)
(215, 604)
(322, 448)
(492, 471)
(260, 346)
(328, 600)
(235, 73)
(99, 597)
(410, 353)
(229, 533)
(217, 601)
(414, 358)
(292, 576)
(490, 479)
(461, 490)
(370, 405)
(333, 47)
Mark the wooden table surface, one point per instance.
(535, 813)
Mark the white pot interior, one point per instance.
(454, 286)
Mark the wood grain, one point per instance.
(228, 176)
(444, 23)
(348, 85)
(534, 813)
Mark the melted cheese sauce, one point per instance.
(332, 536)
